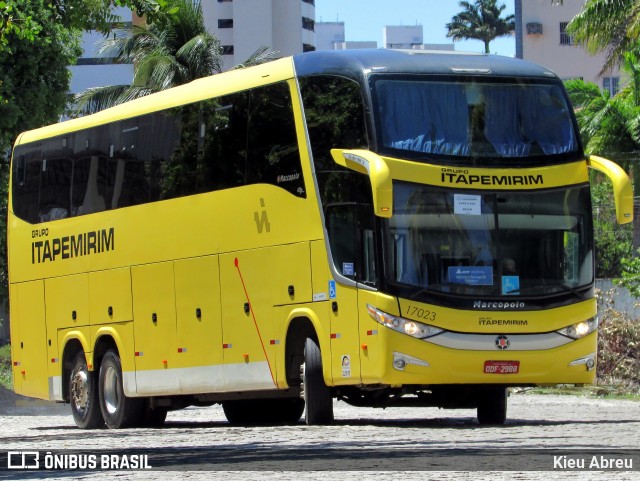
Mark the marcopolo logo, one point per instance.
(493, 305)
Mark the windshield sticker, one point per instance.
(464, 204)
(347, 269)
(471, 275)
(510, 285)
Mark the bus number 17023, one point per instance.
(421, 313)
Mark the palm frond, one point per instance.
(99, 98)
(261, 55)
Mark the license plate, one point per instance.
(501, 367)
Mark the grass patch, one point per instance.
(6, 379)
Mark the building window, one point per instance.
(310, 2)
(565, 38)
(225, 23)
(227, 49)
(308, 47)
(611, 85)
(308, 24)
(224, 1)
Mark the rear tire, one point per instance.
(118, 410)
(317, 395)
(492, 406)
(83, 395)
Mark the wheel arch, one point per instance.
(73, 342)
(301, 324)
(110, 338)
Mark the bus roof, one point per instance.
(359, 62)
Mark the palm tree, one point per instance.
(607, 25)
(609, 123)
(481, 21)
(173, 50)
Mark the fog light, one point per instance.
(588, 361)
(399, 364)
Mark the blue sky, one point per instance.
(364, 20)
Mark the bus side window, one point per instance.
(273, 155)
(55, 180)
(224, 148)
(89, 171)
(26, 182)
(351, 237)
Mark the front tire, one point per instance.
(118, 410)
(317, 395)
(83, 395)
(492, 406)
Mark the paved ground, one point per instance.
(542, 433)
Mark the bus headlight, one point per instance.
(580, 329)
(406, 326)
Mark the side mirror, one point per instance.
(376, 168)
(622, 191)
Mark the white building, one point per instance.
(541, 37)
(409, 37)
(95, 71)
(402, 36)
(329, 35)
(243, 26)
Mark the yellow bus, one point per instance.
(381, 227)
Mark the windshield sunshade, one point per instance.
(473, 119)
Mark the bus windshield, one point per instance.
(472, 118)
(534, 243)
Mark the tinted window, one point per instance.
(334, 112)
(245, 138)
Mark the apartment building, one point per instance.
(242, 26)
(541, 37)
(331, 36)
(93, 70)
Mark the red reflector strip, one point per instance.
(227, 346)
(274, 342)
(182, 349)
(138, 354)
(16, 363)
(335, 335)
(54, 359)
(372, 332)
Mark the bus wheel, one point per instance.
(263, 411)
(83, 395)
(118, 410)
(317, 395)
(492, 406)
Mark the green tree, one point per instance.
(34, 81)
(612, 26)
(613, 242)
(173, 50)
(74, 14)
(481, 20)
(609, 124)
